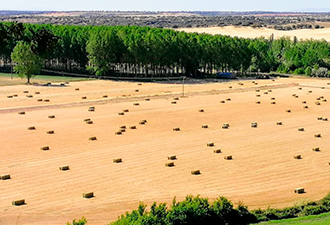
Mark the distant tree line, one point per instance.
(134, 51)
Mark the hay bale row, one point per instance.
(88, 195)
(64, 168)
(118, 160)
(5, 177)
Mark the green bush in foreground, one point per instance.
(198, 210)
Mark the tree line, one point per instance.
(132, 51)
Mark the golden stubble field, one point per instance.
(263, 171)
(249, 32)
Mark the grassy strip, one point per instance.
(14, 79)
(323, 219)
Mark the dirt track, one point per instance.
(262, 173)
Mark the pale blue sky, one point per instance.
(168, 5)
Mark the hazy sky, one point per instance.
(168, 5)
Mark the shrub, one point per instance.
(82, 221)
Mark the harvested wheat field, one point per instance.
(249, 32)
(101, 155)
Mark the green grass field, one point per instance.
(14, 79)
(323, 219)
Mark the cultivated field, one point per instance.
(262, 173)
(249, 32)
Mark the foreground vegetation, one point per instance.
(198, 210)
(131, 51)
(323, 219)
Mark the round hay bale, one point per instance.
(296, 96)
(76, 89)
(92, 139)
(37, 93)
(9, 96)
(318, 135)
(139, 84)
(258, 96)
(316, 149)
(39, 100)
(147, 99)
(217, 151)
(29, 96)
(273, 103)
(118, 160)
(137, 90)
(222, 101)
(89, 122)
(297, 157)
(176, 98)
(319, 118)
(306, 107)
(31, 128)
(136, 104)
(176, 129)
(301, 129)
(324, 100)
(118, 133)
(121, 113)
(270, 90)
(51, 116)
(132, 127)
(122, 127)
(325, 119)
(201, 110)
(122, 130)
(228, 99)
(317, 103)
(205, 126)
(318, 99)
(225, 126)
(46, 100)
(18, 202)
(266, 93)
(83, 97)
(254, 125)
(258, 102)
(105, 96)
(288, 110)
(257, 90)
(279, 123)
(173, 102)
(5, 177)
(62, 84)
(15, 95)
(303, 102)
(310, 91)
(88, 195)
(21, 113)
(228, 157)
(142, 122)
(50, 132)
(272, 98)
(91, 109)
(230, 87)
(300, 88)
(64, 168)
(299, 190)
(45, 148)
(210, 144)
(171, 157)
(195, 172)
(126, 110)
(87, 119)
(169, 164)
(25, 92)
(240, 83)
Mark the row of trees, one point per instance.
(150, 52)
